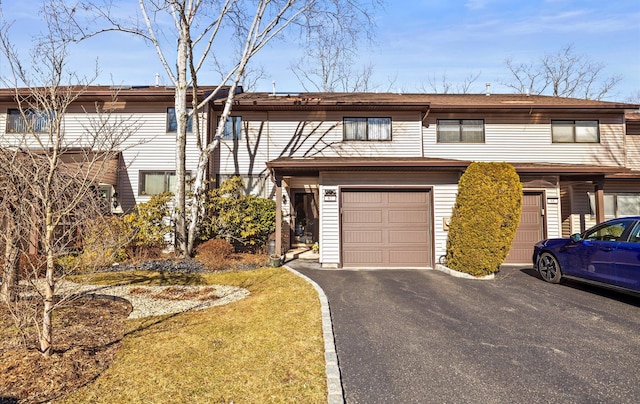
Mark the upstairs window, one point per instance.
(172, 122)
(158, 182)
(232, 128)
(574, 131)
(28, 121)
(460, 130)
(367, 128)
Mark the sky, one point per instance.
(416, 42)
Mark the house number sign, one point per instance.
(330, 195)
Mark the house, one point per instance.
(142, 116)
(372, 177)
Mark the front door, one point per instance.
(305, 223)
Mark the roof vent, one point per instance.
(527, 92)
(488, 89)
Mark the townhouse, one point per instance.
(372, 177)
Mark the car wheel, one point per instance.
(549, 268)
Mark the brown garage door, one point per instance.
(530, 231)
(386, 228)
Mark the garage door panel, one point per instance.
(408, 257)
(418, 217)
(386, 228)
(362, 216)
(530, 230)
(364, 198)
(364, 258)
(363, 237)
(407, 197)
(409, 236)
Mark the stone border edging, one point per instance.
(442, 268)
(334, 380)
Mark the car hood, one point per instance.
(553, 243)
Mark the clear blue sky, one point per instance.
(415, 40)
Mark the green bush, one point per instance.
(485, 218)
(235, 216)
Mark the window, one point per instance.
(460, 130)
(254, 184)
(617, 204)
(232, 128)
(172, 122)
(158, 182)
(28, 121)
(367, 128)
(609, 232)
(575, 132)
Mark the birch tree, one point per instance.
(202, 30)
(50, 176)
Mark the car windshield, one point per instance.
(608, 232)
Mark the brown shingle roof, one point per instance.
(301, 165)
(412, 101)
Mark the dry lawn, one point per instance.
(265, 348)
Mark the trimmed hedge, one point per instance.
(485, 218)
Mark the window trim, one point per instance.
(573, 122)
(171, 117)
(366, 139)
(166, 185)
(460, 131)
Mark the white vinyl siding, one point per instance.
(329, 229)
(531, 143)
(267, 136)
(148, 148)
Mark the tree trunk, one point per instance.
(11, 260)
(179, 213)
(46, 334)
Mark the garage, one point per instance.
(386, 228)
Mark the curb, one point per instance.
(442, 268)
(334, 380)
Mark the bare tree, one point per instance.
(562, 74)
(332, 50)
(201, 27)
(445, 86)
(50, 175)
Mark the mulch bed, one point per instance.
(87, 335)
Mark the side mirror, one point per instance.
(576, 237)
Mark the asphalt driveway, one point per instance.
(411, 336)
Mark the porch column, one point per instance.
(278, 216)
(599, 191)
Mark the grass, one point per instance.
(265, 348)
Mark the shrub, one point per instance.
(485, 218)
(150, 226)
(232, 215)
(214, 254)
(104, 241)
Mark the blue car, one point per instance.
(607, 254)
